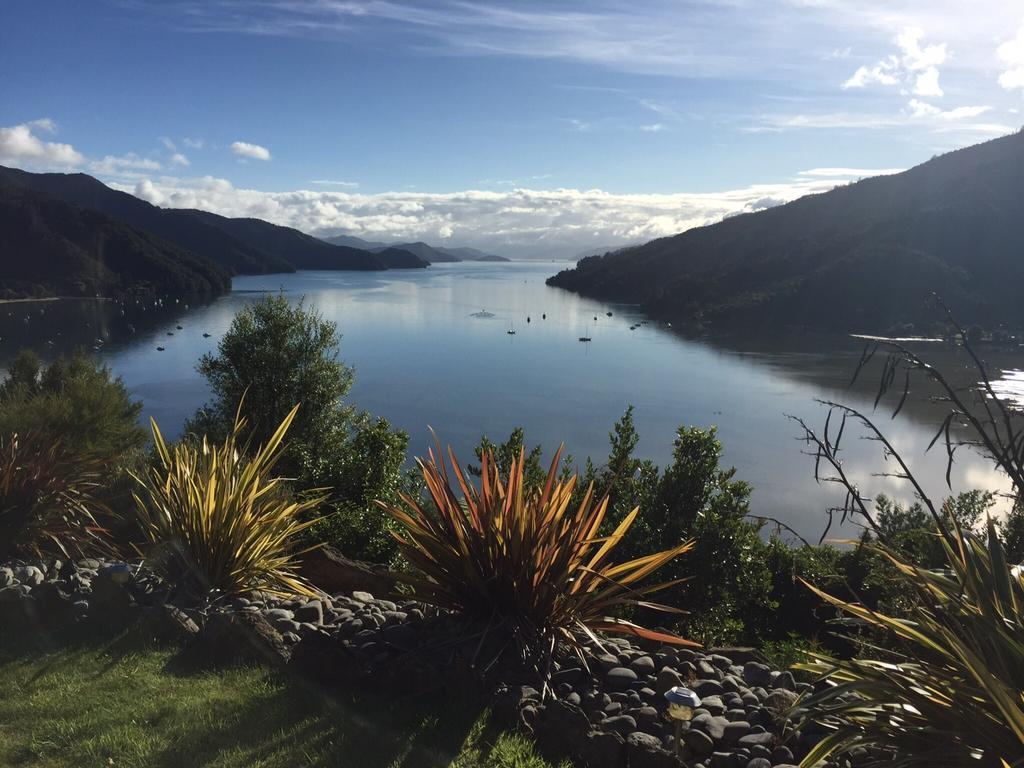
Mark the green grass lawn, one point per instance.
(92, 705)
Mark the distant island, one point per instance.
(431, 254)
(71, 235)
(861, 257)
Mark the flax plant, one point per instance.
(529, 565)
(952, 694)
(46, 498)
(216, 516)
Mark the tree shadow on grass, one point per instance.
(298, 724)
(251, 716)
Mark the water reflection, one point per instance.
(424, 356)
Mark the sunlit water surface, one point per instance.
(426, 354)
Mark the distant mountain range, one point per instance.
(861, 257)
(71, 234)
(432, 254)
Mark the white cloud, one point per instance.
(881, 73)
(927, 83)
(168, 143)
(1011, 54)
(655, 128)
(860, 173)
(179, 159)
(516, 221)
(577, 125)
(920, 108)
(334, 183)
(250, 151)
(123, 165)
(192, 143)
(19, 145)
(43, 124)
(916, 67)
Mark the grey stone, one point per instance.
(274, 614)
(764, 739)
(782, 754)
(734, 731)
(6, 577)
(568, 675)
(601, 750)
(560, 730)
(713, 704)
(362, 597)
(312, 612)
(755, 674)
(759, 762)
(619, 678)
(780, 700)
(29, 574)
(785, 681)
(707, 688)
(621, 724)
(723, 760)
(13, 593)
(645, 751)
(642, 665)
(699, 742)
(667, 678)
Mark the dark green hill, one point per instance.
(298, 249)
(859, 257)
(398, 258)
(243, 246)
(426, 252)
(176, 226)
(51, 247)
(472, 254)
(355, 242)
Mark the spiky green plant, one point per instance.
(216, 515)
(46, 498)
(525, 562)
(953, 695)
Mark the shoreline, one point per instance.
(26, 301)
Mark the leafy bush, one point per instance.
(275, 355)
(526, 561)
(951, 697)
(74, 401)
(45, 498)
(217, 521)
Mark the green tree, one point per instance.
(76, 402)
(276, 355)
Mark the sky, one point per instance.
(539, 129)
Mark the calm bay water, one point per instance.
(424, 358)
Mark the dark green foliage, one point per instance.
(503, 455)
(75, 401)
(277, 355)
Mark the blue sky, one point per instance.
(531, 128)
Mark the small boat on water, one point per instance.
(511, 329)
(159, 349)
(206, 335)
